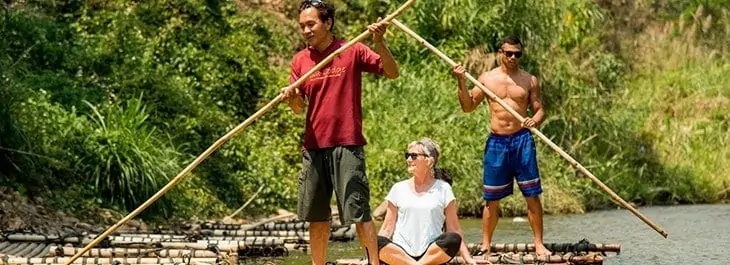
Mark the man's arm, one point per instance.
(390, 67)
(536, 102)
(296, 102)
(468, 101)
(290, 94)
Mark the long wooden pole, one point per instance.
(230, 135)
(534, 131)
(245, 204)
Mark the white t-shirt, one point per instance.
(420, 218)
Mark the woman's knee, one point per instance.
(382, 242)
(450, 242)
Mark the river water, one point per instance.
(698, 234)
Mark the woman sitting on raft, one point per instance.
(418, 208)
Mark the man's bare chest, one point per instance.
(511, 90)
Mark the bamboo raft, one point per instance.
(212, 244)
(581, 253)
(225, 244)
(512, 258)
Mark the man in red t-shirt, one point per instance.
(333, 157)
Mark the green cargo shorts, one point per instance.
(341, 169)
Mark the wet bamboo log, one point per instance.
(287, 226)
(223, 246)
(253, 241)
(25, 237)
(143, 239)
(159, 236)
(176, 245)
(297, 247)
(256, 238)
(76, 239)
(508, 258)
(96, 260)
(248, 233)
(42, 248)
(56, 251)
(19, 249)
(553, 247)
(341, 234)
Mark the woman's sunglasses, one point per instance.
(509, 54)
(414, 155)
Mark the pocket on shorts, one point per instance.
(495, 158)
(358, 151)
(306, 164)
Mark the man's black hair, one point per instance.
(326, 11)
(513, 40)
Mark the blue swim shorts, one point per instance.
(507, 157)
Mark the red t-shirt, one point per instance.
(334, 93)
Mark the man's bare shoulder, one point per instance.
(528, 76)
(490, 75)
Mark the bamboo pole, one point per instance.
(230, 135)
(268, 220)
(534, 131)
(245, 204)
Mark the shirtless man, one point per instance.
(510, 150)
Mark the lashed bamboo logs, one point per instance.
(56, 251)
(554, 247)
(251, 241)
(179, 263)
(338, 234)
(96, 260)
(569, 258)
(160, 236)
(143, 239)
(250, 233)
(512, 259)
(22, 249)
(26, 237)
(296, 225)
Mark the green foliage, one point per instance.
(199, 64)
(124, 157)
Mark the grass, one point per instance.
(681, 90)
